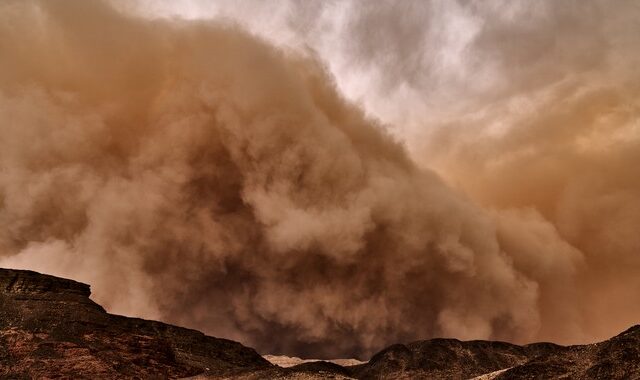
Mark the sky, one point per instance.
(324, 179)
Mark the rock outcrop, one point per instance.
(616, 358)
(50, 328)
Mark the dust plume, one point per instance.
(529, 107)
(557, 134)
(192, 172)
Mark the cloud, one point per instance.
(192, 172)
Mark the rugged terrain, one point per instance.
(50, 328)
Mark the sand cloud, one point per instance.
(194, 173)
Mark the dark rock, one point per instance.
(320, 367)
(49, 327)
(441, 358)
(616, 358)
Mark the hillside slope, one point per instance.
(49, 327)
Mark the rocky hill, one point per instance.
(616, 358)
(49, 327)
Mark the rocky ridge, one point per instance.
(50, 328)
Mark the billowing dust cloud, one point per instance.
(194, 174)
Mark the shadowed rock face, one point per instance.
(443, 358)
(50, 328)
(616, 358)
